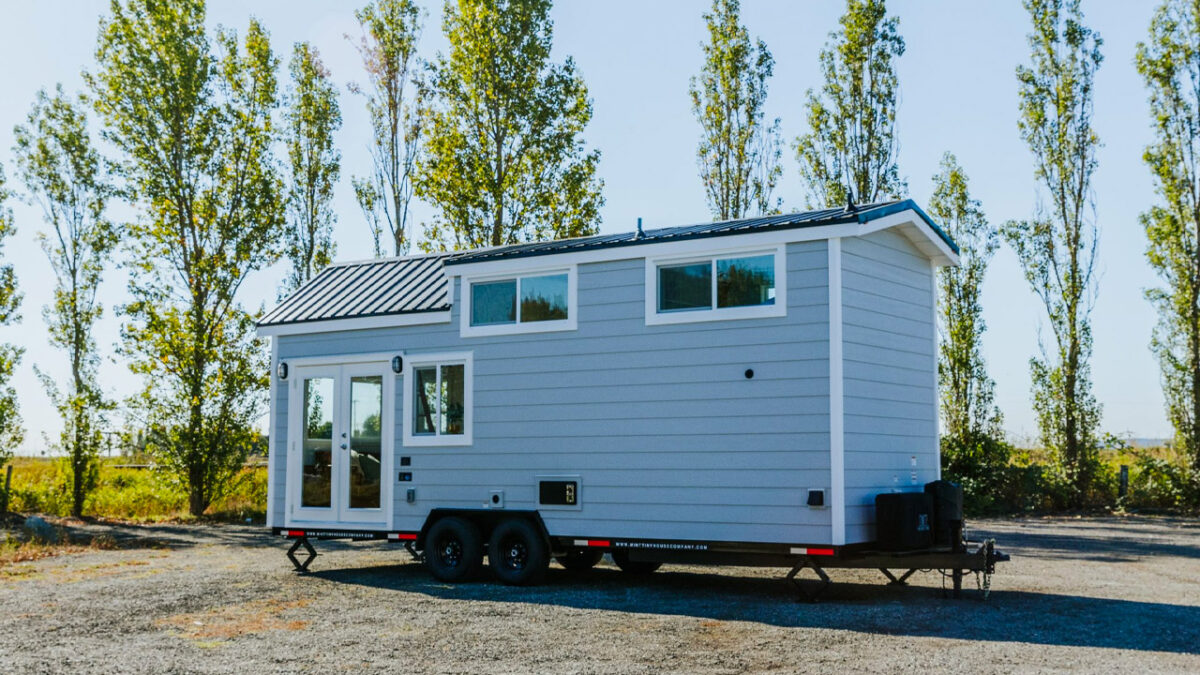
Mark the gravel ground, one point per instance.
(1094, 594)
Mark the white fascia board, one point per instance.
(927, 240)
(922, 236)
(355, 323)
(655, 249)
(341, 359)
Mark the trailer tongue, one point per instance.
(979, 557)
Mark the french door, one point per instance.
(340, 431)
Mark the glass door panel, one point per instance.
(340, 443)
(317, 443)
(365, 456)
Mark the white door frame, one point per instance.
(341, 369)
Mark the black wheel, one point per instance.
(578, 559)
(453, 549)
(621, 558)
(517, 553)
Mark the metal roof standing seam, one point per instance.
(418, 284)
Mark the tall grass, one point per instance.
(41, 485)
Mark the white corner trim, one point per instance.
(355, 323)
(779, 308)
(412, 361)
(272, 440)
(837, 436)
(466, 330)
(937, 416)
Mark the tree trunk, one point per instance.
(197, 501)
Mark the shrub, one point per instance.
(1161, 483)
(978, 463)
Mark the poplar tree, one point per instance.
(391, 30)
(193, 126)
(1169, 62)
(850, 152)
(739, 151)
(503, 159)
(967, 392)
(11, 431)
(1057, 246)
(314, 164)
(66, 176)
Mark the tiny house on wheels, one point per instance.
(757, 391)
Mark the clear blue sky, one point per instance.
(958, 93)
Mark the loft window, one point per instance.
(519, 304)
(715, 287)
(542, 298)
(719, 282)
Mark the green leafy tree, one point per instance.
(391, 30)
(503, 159)
(1057, 247)
(1170, 64)
(850, 152)
(193, 127)
(967, 392)
(739, 152)
(11, 431)
(64, 173)
(973, 450)
(314, 164)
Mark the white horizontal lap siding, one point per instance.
(890, 373)
(668, 436)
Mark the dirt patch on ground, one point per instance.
(1094, 594)
(231, 621)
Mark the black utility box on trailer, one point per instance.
(904, 521)
(947, 513)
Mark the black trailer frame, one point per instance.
(979, 557)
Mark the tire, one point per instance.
(453, 550)
(621, 558)
(579, 559)
(517, 553)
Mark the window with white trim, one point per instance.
(726, 286)
(527, 303)
(438, 399)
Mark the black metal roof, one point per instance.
(364, 289)
(832, 216)
(391, 286)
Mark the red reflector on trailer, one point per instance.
(598, 542)
(295, 533)
(403, 536)
(820, 551)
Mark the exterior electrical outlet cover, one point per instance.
(496, 499)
